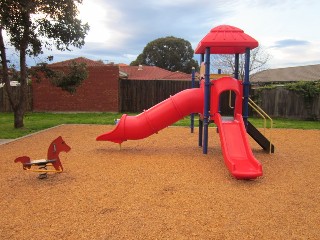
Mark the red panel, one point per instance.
(224, 84)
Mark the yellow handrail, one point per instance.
(230, 99)
(264, 115)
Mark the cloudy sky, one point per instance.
(120, 29)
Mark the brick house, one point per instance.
(100, 92)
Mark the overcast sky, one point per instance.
(120, 29)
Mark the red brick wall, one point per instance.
(98, 93)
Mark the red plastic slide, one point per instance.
(237, 153)
(156, 118)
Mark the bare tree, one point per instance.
(226, 62)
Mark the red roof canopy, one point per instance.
(226, 39)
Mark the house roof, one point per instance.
(152, 73)
(87, 61)
(132, 72)
(122, 64)
(290, 74)
(225, 39)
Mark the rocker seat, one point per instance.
(40, 162)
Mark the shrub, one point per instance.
(308, 90)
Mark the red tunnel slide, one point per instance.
(156, 118)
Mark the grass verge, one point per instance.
(35, 122)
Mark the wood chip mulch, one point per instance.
(161, 187)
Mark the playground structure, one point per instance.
(205, 100)
(53, 161)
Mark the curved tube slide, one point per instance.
(157, 117)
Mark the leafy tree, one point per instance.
(171, 53)
(258, 62)
(32, 25)
(68, 79)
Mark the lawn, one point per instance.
(35, 122)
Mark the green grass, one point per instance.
(287, 123)
(35, 122)
(259, 122)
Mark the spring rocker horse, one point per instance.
(53, 161)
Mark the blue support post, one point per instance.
(236, 66)
(246, 86)
(200, 132)
(193, 76)
(200, 120)
(206, 114)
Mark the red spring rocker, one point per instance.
(53, 161)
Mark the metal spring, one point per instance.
(43, 175)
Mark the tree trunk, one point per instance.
(18, 118)
(19, 111)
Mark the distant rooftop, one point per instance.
(290, 74)
(87, 61)
(132, 72)
(152, 73)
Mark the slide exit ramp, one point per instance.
(236, 150)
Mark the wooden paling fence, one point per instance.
(280, 102)
(4, 100)
(139, 95)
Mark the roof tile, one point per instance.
(290, 74)
(152, 73)
(133, 72)
(87, 61)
